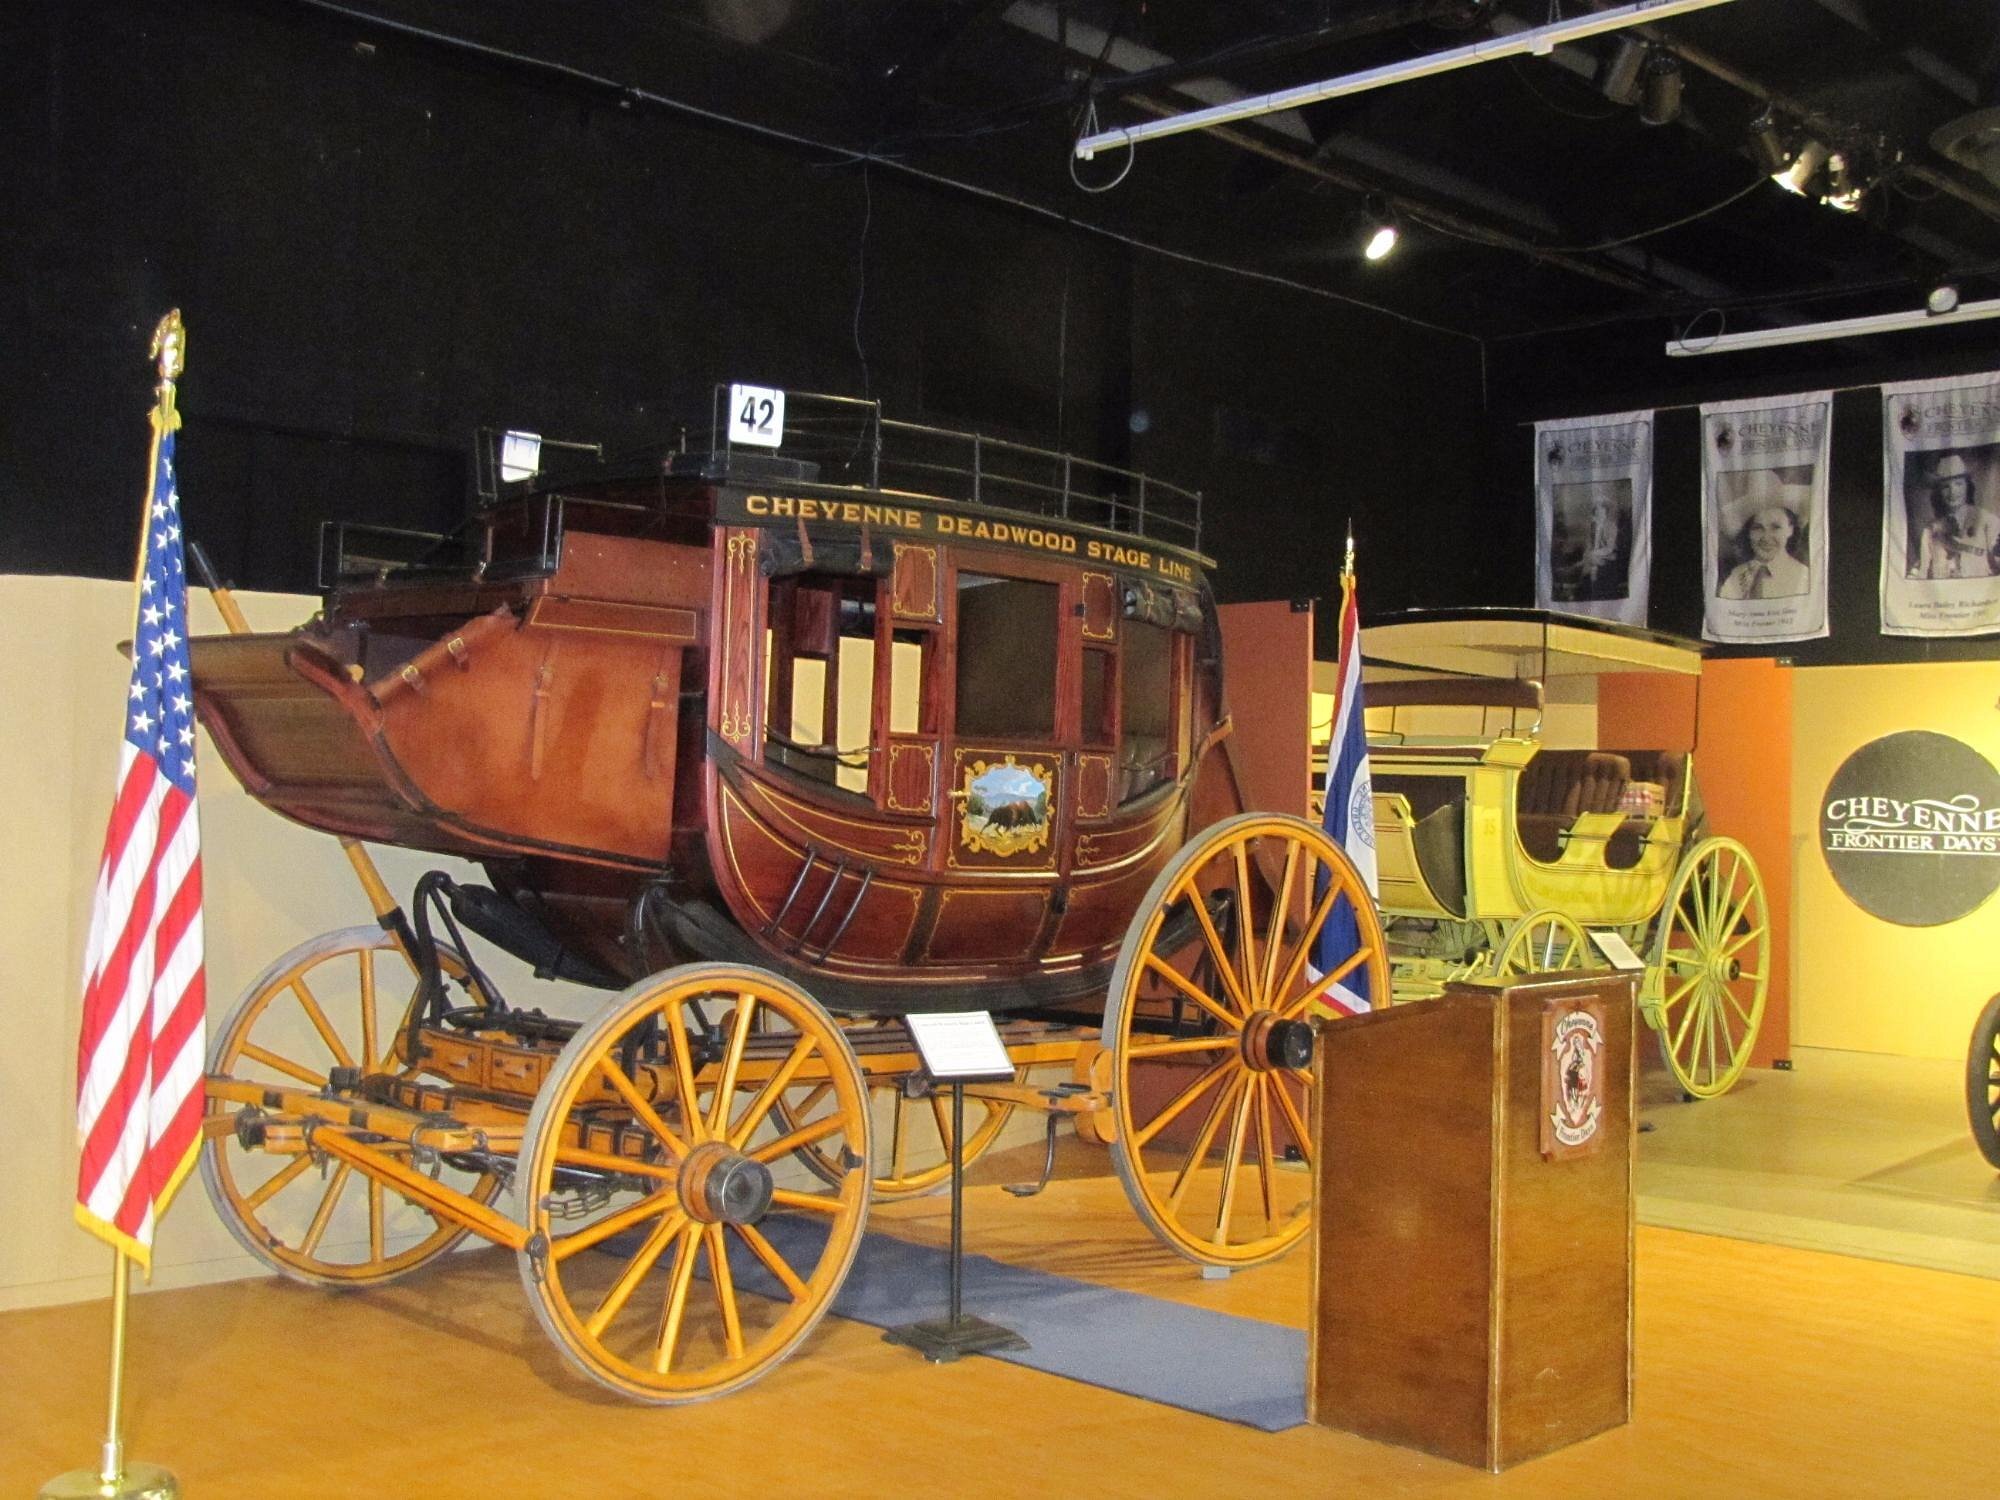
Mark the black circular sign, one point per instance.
(1910, 826)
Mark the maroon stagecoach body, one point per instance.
(853, 723)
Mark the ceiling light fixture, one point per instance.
(1797, 178)
(1928, 316)
(1383, 234)
(1538, 41)
(1843, 187)
(1660, 88)
(1619, 76)
(1943, 298)
(1767, 145)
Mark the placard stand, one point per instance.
(957, 1047)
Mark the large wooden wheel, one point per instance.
(1210, 1033)
(642, 1173)
(1711, 967)
(1982, 1081)
(1544, 942)
(340, 1000)
(912, 1131)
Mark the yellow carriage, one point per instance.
(1502, 849)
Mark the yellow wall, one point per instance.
(1861, 983)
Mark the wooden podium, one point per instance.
(1472, 1260)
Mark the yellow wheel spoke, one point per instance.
(1173, 976)
(1239, 1129)
(640, 1106)
(651, 1206)
(725, 1290)
(1294, 1008)
(324, 1216)
(1743, 942)
(797, 1140)
(677, 1039)
(320, 1023)
(1179, 1104)
(773, 1262)
(1223, 1103)
(1215, 951)
(375, 1250)
(1687, 1020)
(282, 1064)
(1275, 940)
(1264, 1153)
(1301, 1138)
(773, 1089)
(1246, 938)
(725, 1084)
(810, 1202)
(943, 1118)
(677, 1294)
(1296, 960)
(1185, 1044)
(369, 1056)
(277, 1182)
(636, 1269)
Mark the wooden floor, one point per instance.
(1762, 1371)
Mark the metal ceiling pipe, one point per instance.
(1538, 40)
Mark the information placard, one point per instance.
(961, 1044)
(1617, 952)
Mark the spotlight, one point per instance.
(1660, 88)
(1620, 74)
(1768, 146)
(1383, 234)
(1943, 298)
(1805, 166)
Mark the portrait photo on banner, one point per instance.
(1951, 498)
(1764, 525)
(1590, 551)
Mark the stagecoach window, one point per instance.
(1006, 658)
(1146, 711)
(820, 664)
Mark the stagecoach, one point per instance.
(772, 743)
(1502, 852)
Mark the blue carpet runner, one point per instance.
(1218, 1364)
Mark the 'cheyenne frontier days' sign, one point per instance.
(1910, 827)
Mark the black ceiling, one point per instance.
(1529, 198)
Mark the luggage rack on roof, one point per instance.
(845, 440)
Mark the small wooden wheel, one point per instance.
(662, 1169)
(1544, 942)
(1982, 1081)
(1209, 1017)
(1711, 967)
(912, 1134)
(339, 1000)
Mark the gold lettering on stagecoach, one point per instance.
(1015, 533)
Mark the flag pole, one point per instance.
(114, 1478)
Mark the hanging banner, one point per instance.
(1940, 495)
(1594, 515)
(1764, 531)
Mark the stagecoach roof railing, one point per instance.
(850, 437)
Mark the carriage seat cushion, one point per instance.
(1557, 785)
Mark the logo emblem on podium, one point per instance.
(1572, 1080)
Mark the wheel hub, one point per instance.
(1271, 1043)
(720, 1185)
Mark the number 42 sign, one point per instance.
(756, 415)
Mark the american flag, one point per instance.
(1350, 807)
(139, 1058)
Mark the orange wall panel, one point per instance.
(1267, 676)
(1739, 724)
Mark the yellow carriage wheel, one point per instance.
(912, 1133)
(340, 1000)
(1544, 942)
(1711, 967)
(1209, 1017)
(1982, 1081)
(669, 1258)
